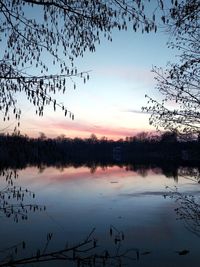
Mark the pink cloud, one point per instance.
(81, 129)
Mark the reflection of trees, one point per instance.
(85, 253)
(17, 210)
(170, 170)
(21, 151)
(9, 175)
(143, 172)
(13, 198)
(139, 168)
(142, 169)
(188, 209)
(189, 173)
(41, 168)
(93, 168)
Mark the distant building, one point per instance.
(184, 155)
(117, 153)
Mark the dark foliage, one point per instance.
(166, 151)
(179, 82)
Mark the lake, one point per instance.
(132, 203)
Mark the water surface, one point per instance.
(78, 200)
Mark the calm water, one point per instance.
(77, 200)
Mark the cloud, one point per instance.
(82, 129)
(136, 111)
(138, 74)
(96, 129)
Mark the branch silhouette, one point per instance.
(82, 254)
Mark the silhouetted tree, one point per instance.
(35, 34)
(169, 137)
(42, 136)
(179, 84)
(84, 253)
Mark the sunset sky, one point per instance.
(109, 104)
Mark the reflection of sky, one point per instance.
(77, 201)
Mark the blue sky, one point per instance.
(109, 104)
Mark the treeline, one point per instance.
(142, 148)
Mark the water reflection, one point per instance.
(85, 253)
(13, 198)
(168, 169)
(188, 209)
(130, 198)
(192, 174)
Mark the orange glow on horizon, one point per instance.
(82, 130)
